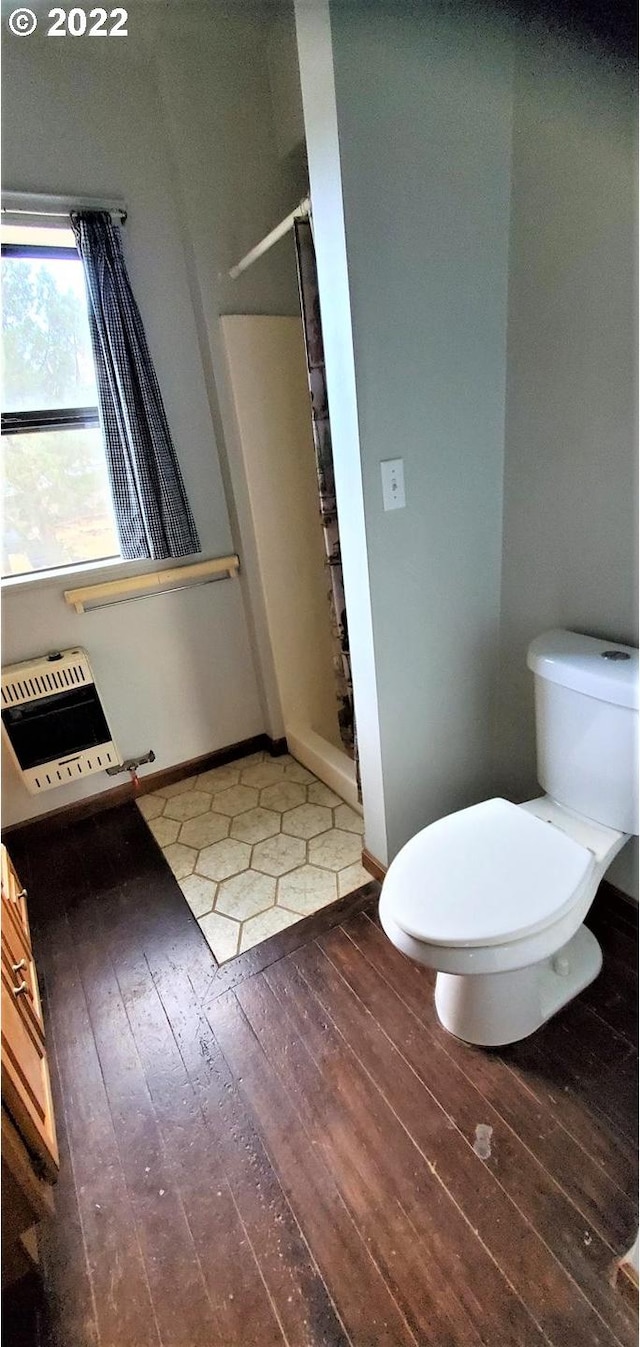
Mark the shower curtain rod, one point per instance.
(304, 209)
(43, 207)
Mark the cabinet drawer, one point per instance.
(20, 968)
(26, 1088)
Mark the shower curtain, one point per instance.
(310, 305)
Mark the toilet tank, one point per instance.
(586, 697)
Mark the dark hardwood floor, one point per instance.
(291, 1150)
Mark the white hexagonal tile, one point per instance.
(306, 889)
(306, 821)
(284, 795)
(218, 778)
(347, 818)
(278, 855)
(223, 859)
(187, 806)
(165, 830)
(236, 800)
(251, 759)
(268, 923)
(199, 893)
(180, 859)
(245, 895)
(178, 787)
(255, 825)
(151, 805)
(353, 877)
(294, 771)
(222, 935)
(335, 850)
(262, 773)
(318, 793)
(204, 830)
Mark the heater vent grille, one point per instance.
(42, 678)
(53, 720)
(69, 769)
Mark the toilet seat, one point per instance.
(487, 875)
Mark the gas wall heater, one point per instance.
(53, 720)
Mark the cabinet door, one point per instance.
(13, 894)
(26, 1088)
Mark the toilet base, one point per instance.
(493, 1009)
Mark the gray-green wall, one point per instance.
(424, 121)
(570, 503)
(570, 487)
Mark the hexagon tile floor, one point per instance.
(255, 845)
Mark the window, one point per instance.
(58, 509)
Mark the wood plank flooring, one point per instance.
(285, 1150)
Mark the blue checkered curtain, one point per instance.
(151, 507)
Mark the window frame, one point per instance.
(58, 418)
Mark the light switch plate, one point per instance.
(392, 473)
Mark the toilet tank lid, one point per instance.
(605, 670)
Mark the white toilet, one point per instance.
(494, 897)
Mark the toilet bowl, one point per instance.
(494, 897)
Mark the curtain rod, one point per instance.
(40, 205)
(304, 209)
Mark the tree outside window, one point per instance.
(57, 500)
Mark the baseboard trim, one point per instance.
(109, 799)
(374, 867)
(277, 747)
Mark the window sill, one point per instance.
(85, 572)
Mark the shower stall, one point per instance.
(268, 379)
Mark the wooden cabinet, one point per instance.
(29, 1147)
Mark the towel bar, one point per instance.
(154, 582)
